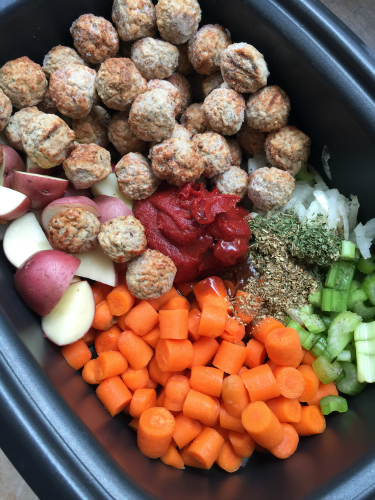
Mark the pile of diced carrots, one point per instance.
(197, 394)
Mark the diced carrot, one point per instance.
(136, 351)
(230, 357)
(103, 318)
(235, 395)
(259, 328)
(262, 424)
(154, 303)
(290, 381)
(261, 383)
(155, 430)
(204, 349)
(189, 460)
(88, 373)
(227, 421)
(186, 429)
(213, 319)
(233, 330)
(308, 358)
(206, 447)
(76, 354)
(212, 291)
(207, 379)
(109, 364)
(176, 303)
(245, 313)
(312, 421)
(176, 391)
(142, 318)
(173, 458)
(152, 337)
(167, 296)
(106, 289)
(194, 318)
(202, 407)
(289, 443)
(174, 355)
(106, 340)
(173, 324)
(89, 337)
(142, 400)
(284, 347)
(121, 321)
(151, 384)
(120, 300)
(113, 394)
(228, 458)
(133, 424)
(271, 364)
(323, 390)
(256, 353)
(98, 293)
(243, 369)
(135, 379)
(243, 444)
(311, 383)
(231, 288)
(156, 374)
(286, 410)
(186, 288)
(223, 432)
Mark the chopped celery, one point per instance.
(364, 331)
(354, 285)
(306, 338)
(347, 250)
(358, 295)
(332, 276)
(357, 255)
(328, 404)
(364, 311)
(315, 299)
(349, 383)
(345, 275)
(325, 371)
(304, 174)
(307, 308)
(326, 320)
(340, 332)
(366, 266)
(365, 347)
(320, 346)
(369, 288)
(340, 377)
(312, 322)
(334, 300)
(365, 366)
(345, 355)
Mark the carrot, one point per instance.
(204, 350)
(173, 458)
(206, 447)
(160, 397)
(106, 340)
(286, 410)
(176, 391)
(133, 424)
(98, 293)
(113, 394)
(103, 318)
(151, 384)
(152, 337)
(142, 318)
(312, 421)
(156, 374)
(189, 460)
(155, 430)
(224, 433)
(230, 357)
(186, 288)
(231, 288)
(121, 321)
(233, 330)
(290, 381)
(120, 300)
(289, 443)
(106, 289)
(284, 347)
(308, 358)
(243, 369)
(89, 337)
(202, 407)
(167, 296)
(136, 351)
(186, 429)
(271, 364)
(212, 322)
(176, 303)
(135, 379)
(173, 355)
(259, 328)
(194, 304)
(88, 373)
(311, 383)
(235, 395)
(142, 400)
(227, 421)
(243, 444)
(256, 353)
(154, 303)
(323, 390)
(228, 458)
(76, 354)
(109, 364)
(212, 291)
(262, 424)
(207, 380)
(244, 312)
(261, 383)
(194, 318)
(173, 324)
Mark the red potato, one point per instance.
(10, 162)
(95, 265)
(72, 191)
(57, 206)
(34, 168)
(109, 187)
(40, 189)
(111, 207)
(43, 278)
(12, 204)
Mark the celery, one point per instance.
(369, 288)
(320, 346)
(364, 331)
(349, 383)
(312, 322)
(306, 338)
(315, 299)
(365, 347)
(364, 311)
(347, 250)
(326, 320)
(334, 300)
(304, 174)
(365, 366)
(345, 355)
(354, 286)
(332, 276)
(328, 404)
(307, 308)
(358, 295)
(340, 332)
(366, 266)
(325, 371)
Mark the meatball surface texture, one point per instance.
(87, 165)
(134, 19)
(206, 47)
(183, 85)
(211, 82)
(174, 92)
(270, 188)
(135, 177)
(60, 56)
(215, 153)
(233, 181)
(155, 59)
(178, 20)
(235, 152)
(122, 137)
(194, 119)
(224, 111)
(93, 128)
(16, 124)
(251, 140)
(267, 109)
(5, 110)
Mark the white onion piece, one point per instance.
(370, 229)
(320, 184)
(256, 162)
(322, 199)
(353, 212)
(344, 216)
(363, 243)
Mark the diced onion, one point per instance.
(363, 243)
(256, 162)
(353, 212)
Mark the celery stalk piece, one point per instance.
(340, 377)
(354, 286)
(358, 295)
(364, 311)
(328, 404)
(315, 299)
(332, 276)
(341, 331)
(347, 250)
(320, 346)
(365, 347)
(365, 331)
(325, 371)
(307, 308)
(369, 288)
(306, 338)
(304, 174)
(327, 294)
(365, 367)
(344, 355)
(349, 383)
(312, 322)
(345, 275)
(326, 320)
(366, 266)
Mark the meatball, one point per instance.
(224, 111)
(251, 140)
(23, 81)
(74, 230)
(184, 65)
(47, 140)
(60, 56)
(171, 89)
(178, 20)
(47, 105)
(72, 90)
(194, 120)
(288, 149)
(181, 131)
(152, 115)
(93, 128)
(134, 19)
(95, 38)
(215, 153)
(267, 109)
(121, 136)
(122, 238)
(233, 181)
(150, 275)
(5, 110)
(177, 161)
(235, 152)
(206, 47)
(183, 85)
(155, 59)
(135, 177)
(118, 83)
(16, 124)
(270, 188)
(211, 82)
(243, 67)
(86, 165)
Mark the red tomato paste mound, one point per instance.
(201, 231)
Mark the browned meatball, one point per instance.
(74, 230)
(184, 65)
(135, 177)
(152, 115)
(5, 110)
(171, 89)
(58, 57)
(16, 124)
(224, 111)
(177, 161)
(233, 181)
(47, 140)
(181, 131)
(251, 140)
(72, 90)
(47, 105)
(150, 275)
(178, 20)
(288, 149)
(267, 109)
(155, 59)
(206, 47)
(183, 85)
(93, 128)
(134, 19)
(23, 81)
(121, 136)
(95, 38)
(118, 83)
(215, 153)
(243, 67)
(270, 188)
(87, 165)
(211, 82)
(235, 152)
(194, 120)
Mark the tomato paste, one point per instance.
(201, 231)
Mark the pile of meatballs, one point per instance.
(178, 103)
